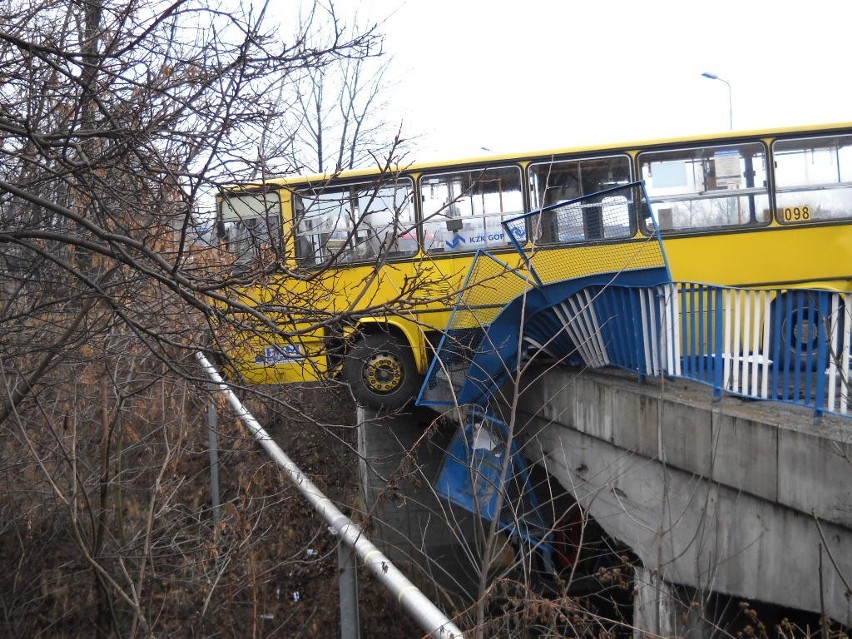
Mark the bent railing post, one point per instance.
(424, 612)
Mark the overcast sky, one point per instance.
(535, 74)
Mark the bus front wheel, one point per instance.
(381, 372)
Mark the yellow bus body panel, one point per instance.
(413, 297)
(323, 308)
(418, 295)
(813, 256)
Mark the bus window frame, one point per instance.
(710, 194)
(422, 220)
(778, 210)
(372, 186)
(270, 238)
(633, 214)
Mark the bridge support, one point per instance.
(400, 458)
(661, 609)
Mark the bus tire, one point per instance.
(799, 331)
(381, 372)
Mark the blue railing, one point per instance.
(790, 345)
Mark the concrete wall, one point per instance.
(730, 496)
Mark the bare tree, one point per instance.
(336, 115)
(118, 119)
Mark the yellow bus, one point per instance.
(356, 273)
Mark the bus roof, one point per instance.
(415, 167)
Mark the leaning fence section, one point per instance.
(597, 229)
(563, 303)
(489, 286)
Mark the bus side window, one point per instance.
(707, 187)
(564, 180)
(464, 210)
(813, 179)
(249, 225)
(355, 223)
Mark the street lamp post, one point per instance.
(713, 76)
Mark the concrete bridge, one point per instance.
(748, 498)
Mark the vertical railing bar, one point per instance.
(833, 352)
(693, 346)
(636, 355)
(764, 351)
(787, 354)
(735, 346)
(719, 330)
(677, 345)
(822, 352)
(669, 328)
(567, 321)
(645, 328)
(728, 355)
(577, 330)
(595, 328)
(656, 334)
(807, 369)
(801, 360)
(607, 309)
(754, 355)
(775, 323)
(745, 343)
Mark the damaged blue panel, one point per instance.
(616, 338)
(478, 476)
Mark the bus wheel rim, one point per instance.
(383, 373)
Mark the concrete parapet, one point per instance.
(739, 497)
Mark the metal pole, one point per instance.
(424, 612)
(213, 437)
(713, 76)
(350, 624)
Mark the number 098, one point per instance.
(797, 214)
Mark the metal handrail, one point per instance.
(424, 612)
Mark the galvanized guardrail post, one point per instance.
(213, 438)
(350, 624)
